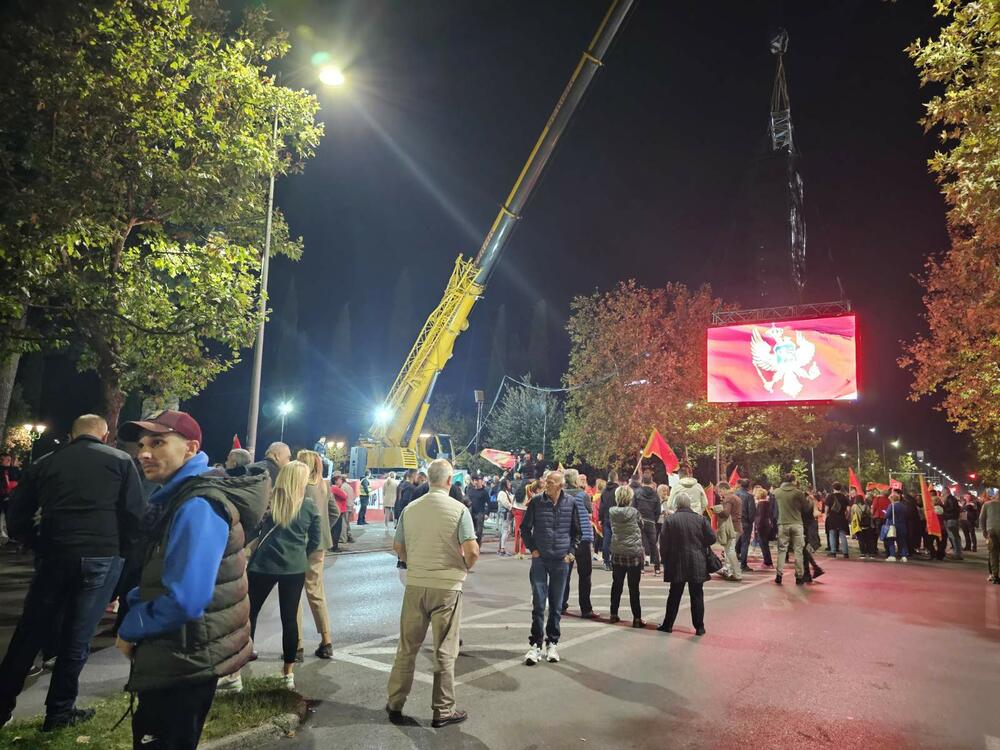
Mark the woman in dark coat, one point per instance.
(764, 523)
(683, 541)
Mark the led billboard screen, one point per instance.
(789, 361)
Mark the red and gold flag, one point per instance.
(710, 494)
(503, 459)
(236, 442)
(657, 446)
(933, 522)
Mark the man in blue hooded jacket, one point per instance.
(188, 622)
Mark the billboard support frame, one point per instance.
(788, 312)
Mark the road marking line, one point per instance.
(563, 645)
(378, 666)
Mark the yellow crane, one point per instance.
(394, 440)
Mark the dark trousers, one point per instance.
(697, 593)
(336, 531)
(172, 718)
(606, 544)
(649, 542)
(619, 573)
(765, 549)
(548, 582)
(289, 594)
(809, 564)
(362, 509)
(478, 519)
(74, 593)
(867, 541)
(969, 532)
(743, 544)
(585, 565)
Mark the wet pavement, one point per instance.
(874, 654)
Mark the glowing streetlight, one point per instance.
(284, 409)
(872, 430)
(331, 75)
(382, 416)
(34, 432)
(895, 443)
(689, 405)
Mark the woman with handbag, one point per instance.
(318, 491)
(764, 523)
(287, 538)
(627, 554)
(685, 550)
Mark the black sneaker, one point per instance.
(325, 651)
(699, 631)
(799, 581)
(456, 718)
(395, 717)
(36, 669)
(664, 628)
(777, 578)
(70, 718)
(746, 569)
(818, 573)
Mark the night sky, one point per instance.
(445, 102)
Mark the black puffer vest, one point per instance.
(218, 643)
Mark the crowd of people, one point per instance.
(189, 553)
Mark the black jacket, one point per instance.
(647, 502)
(478, 500)
(683, 540)
(607, 502)
(749, 508)
(404, 495)
(90, 501)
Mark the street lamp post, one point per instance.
(545, 420)
(258, 348)
(330, 76)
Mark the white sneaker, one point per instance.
(533, 656)
(890, 559)
(551, 654)
(902, 559)
(289, 681)
(232, 683)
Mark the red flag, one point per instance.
(503, 459)
(734, 478)
(877, 486)
(657, 446)
(933, 522)
(236, 442)
(852, 478)
(710, 494)
(895, 484)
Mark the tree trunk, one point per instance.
(114, 400)
(8, 373)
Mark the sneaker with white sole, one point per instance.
(289, 681)
(551, 654)
(533, 656)
(890, 559)
(232, 683)
(902, 559)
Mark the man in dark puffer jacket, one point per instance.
(189, 619)
(647, 502)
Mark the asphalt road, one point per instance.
(874, 654)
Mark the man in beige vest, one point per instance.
(436, 539)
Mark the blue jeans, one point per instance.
(77, 590)
(951, 527)
(899, 543)
(606, 544)
(548, 584)
(832, 535)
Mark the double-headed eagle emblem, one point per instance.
(785, 358)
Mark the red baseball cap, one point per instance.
(167, 420)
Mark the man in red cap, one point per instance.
(188, 622)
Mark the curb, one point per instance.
(285, 725)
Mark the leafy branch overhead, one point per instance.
(137, 143)
(959, 358)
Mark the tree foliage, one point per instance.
(959, 358)
(637, 362)
(137, 141)
(524, 419)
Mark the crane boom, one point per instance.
(392, 441)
